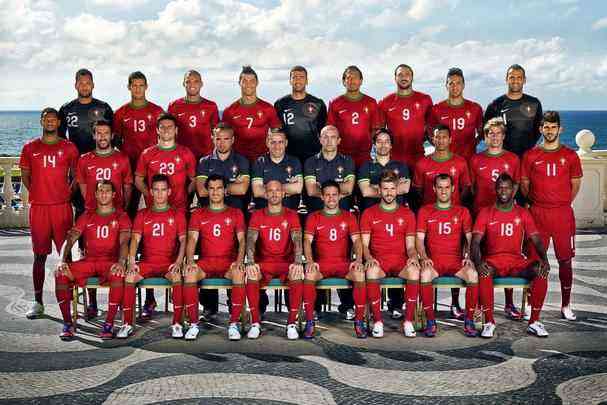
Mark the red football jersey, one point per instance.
(49, 165)
(101, 233)
(407, 118)
(217, 231)
(444, 229)
(355, 120)
(251, 123)
(388, 230)
(195, 122)
(550, 174)
(177, 163)
(332, 234)
(428, 168)
(465, 122)
(274, 243)
(93, 168)
(160, 232)
(137, 128)
(504, 231)
(485, 168)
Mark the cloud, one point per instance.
(600, 24)
(422, 9)
(94, 30)
(125, 4)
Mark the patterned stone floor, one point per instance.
(568, 367)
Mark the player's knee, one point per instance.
(310, 276)
(471, 276)
(238, 277)
(190, 278)
(426, 276)
(357, 276)
(373, 272)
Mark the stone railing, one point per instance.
(14, 205)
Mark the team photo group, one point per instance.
(299, 192)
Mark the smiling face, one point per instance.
(442, 140)
(277, 144)
(104, 195)
(248, 85)
(167, 130)
(298, 81)
(550, 131)
(352, 81)
(388, 192)
(103, 137)
(160, 193)
(515, 80)
(192, 82)
(223, 140)
(504, 190)
(49, 122)
(455, 86)
(274, 193)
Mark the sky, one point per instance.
(561, 43)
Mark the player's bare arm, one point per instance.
(525, 187)
(467, 260)
(259, 191)
(576, 183)
(26, 178)
(541, 251)
(420, 246)
(311, 265)
(347, 186)
(132, 267)
(368, 190)
(357, 251)
(240, 186)
(127, 192)
(413, 259)
(252, 236)
(175, 268)
(369, 259)
(477, 257)
(293, 187)
(83, 188)
(191, 185)
(242, 246)
(312, 187)
(119, 268)
(403, 187)
(201, 190)
(72, 238)
(141, 186)
(190, 264)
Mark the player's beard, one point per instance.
(405, 87)
(85, 95)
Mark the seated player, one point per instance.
(162, 230)
(388, 236)
(274, 250)
(221, 231)
(106, 232)
(441, 228)
(332, 230)
(503, 228)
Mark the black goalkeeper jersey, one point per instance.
(522, 118)
(302, 121)
(77, 122)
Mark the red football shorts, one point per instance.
(334, 269)
(447, 265)
(214, 267)
(153, 269)
(392, 265)
(49, 223)
(506, 265)
(557, 224)
(270, 270)
(83, 269)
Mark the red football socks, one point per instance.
(566, 277)
(295, 298)
(309, 298)
(252, 288)
(427, 293)
(486, 297)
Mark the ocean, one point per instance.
(16, 127)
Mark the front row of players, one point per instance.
(389, 242)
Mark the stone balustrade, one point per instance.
(14, 206)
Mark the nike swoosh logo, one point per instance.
(288, 109)
(263, 226)
(320, 227)
(180, 114)
(236, 116)
(90, 167)
(376, 222)
(493, 223)
(147, 222)
(126, 120)
(505, 110)
(35, 154)
(153, 161)
(431, 220)
(446, 117)
(89, 225)
(204, 222)
(391, 108)
(538, 162)
(482, 168)
(341, 111)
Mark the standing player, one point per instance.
(302, 115)
(503, 228)
(464, 117)
(104, 163)
(162, 231)
(406, 113)
(135, 128)
(277, 231)
(196, 116)
(551, 175)
(521, 113)
(277, 165)
(388, 231)
(251, 117)
(441, 229)
(355, 115)
(329, 164)
(106, 233)
(337, 236)
(221, 231)
(46, 166)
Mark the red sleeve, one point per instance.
(473, 165)
(466, 220)
(517, 169)
(418, 173)
(410, 224)
(376, 118)
(422, 215)
(182, 224)
(465, 178)
(138, 223)
(480, 226)
(214, 117)
(124, 222)
(81, 223)
(141, 165)
(227, 116)
(117, 123)
(353, 225)
(127, 176)
(195, 220)
(81, 171)
(240, 225)
(429, 104)
(479, 123)
(254, 222)
(576, 165)
(25, 159)
(311, 224)
(432, 118)
(331, 114)
(530, 228)
(190, 162)
(294, 221)
(274, 121)
(381, 110)
(526, 165)
(74, 157)
(365, 222)
(171, 108)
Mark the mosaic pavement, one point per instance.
(569, 367)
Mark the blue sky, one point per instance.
(562, 44)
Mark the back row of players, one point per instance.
(355, 118)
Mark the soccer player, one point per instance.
(551, 175)
(224, 161)
(388, 237)
(333, 231)
(106, 233)
(464, 117)
(355, 115)
(104, 163)
(277, 165)
(46, 166)
(134, 128)
(405, 113)
(521, 113)
(196, 116)
(221, 231)
(444, 235)
(329, 164)
(251, 117)
(503, 228)
(274, 249)
(302, 116)
(161, 229)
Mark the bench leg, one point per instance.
(166, 299)
(435, 299)
(524, 300)
(75, 307)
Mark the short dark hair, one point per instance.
(388, 176)
(166, 116)
(351, 68)
(101, 123)
(137, 75)
(223, 126)
(441, 127)
(442, 176)
(551, 116)
(105, 182)
(49, 110)
(515, 66)
(455, 71)
(215, 177)
(503, 178)
(404, 66)
(327, 184)
(298, 68)
(158, 178)
(247, 70)
(83, 72)
(192, 72)
(380, 131)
